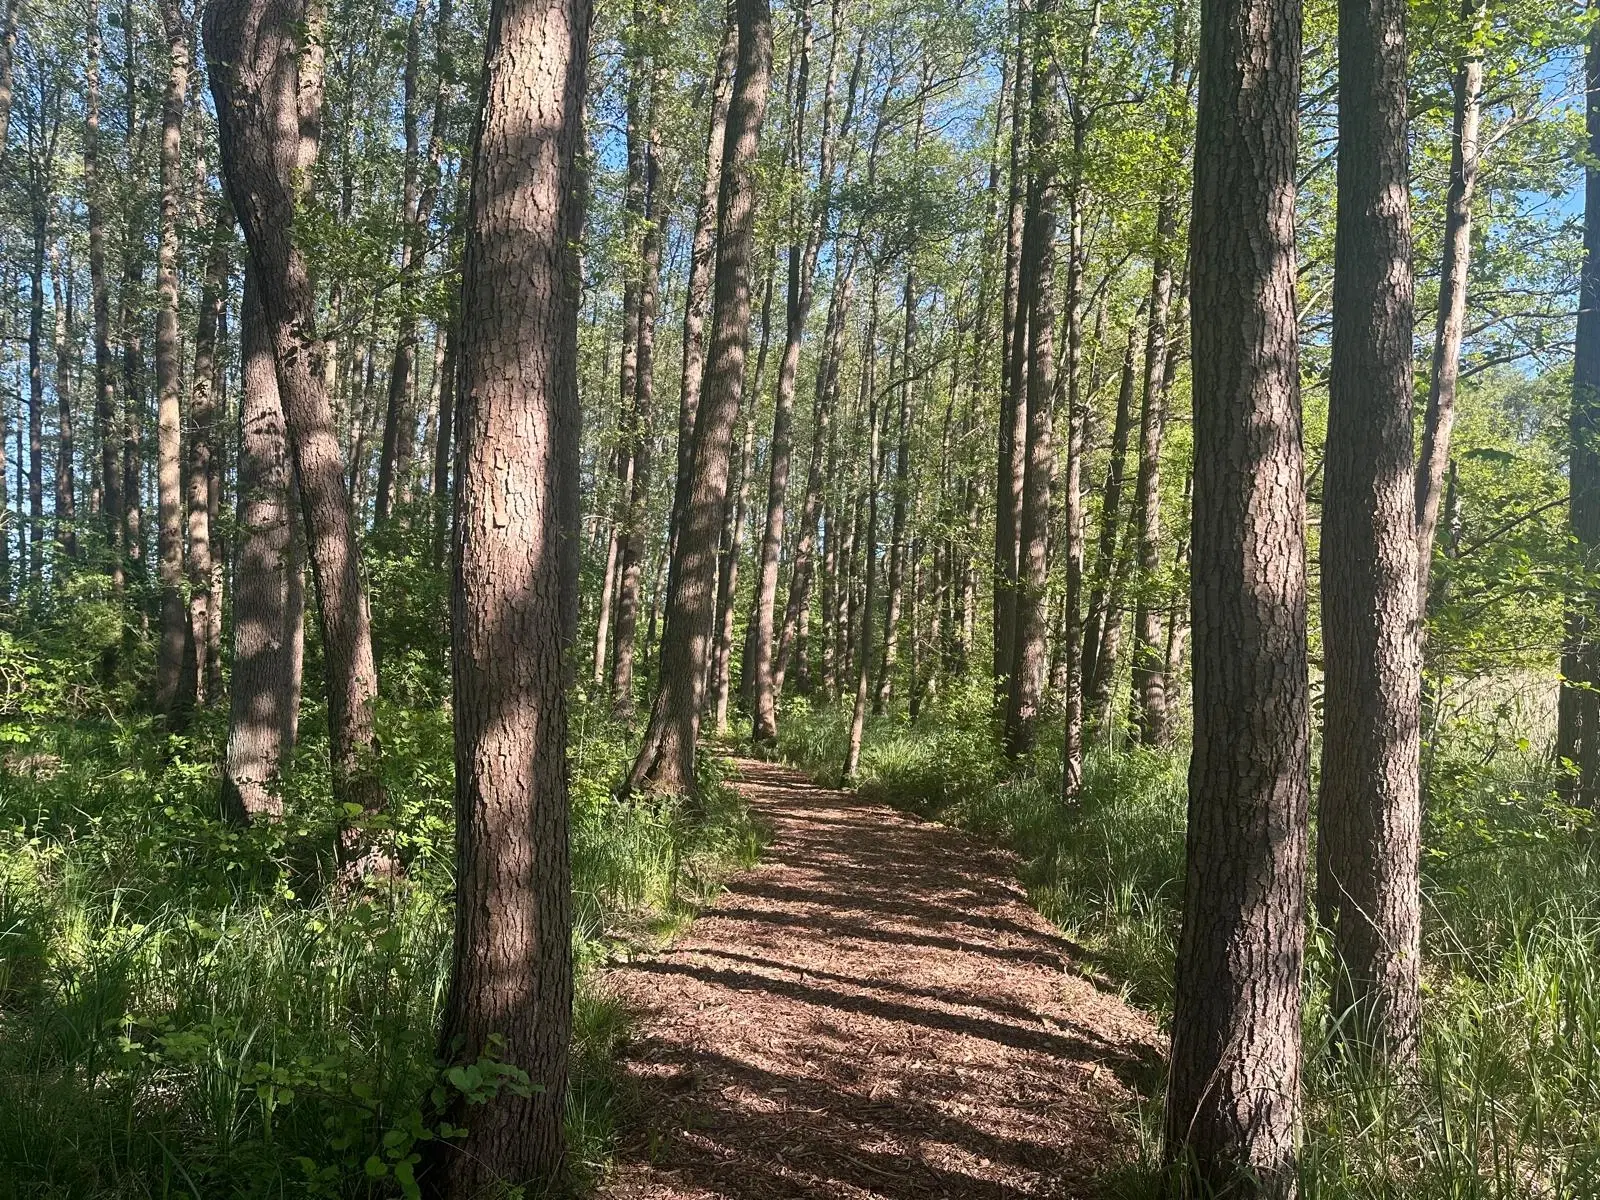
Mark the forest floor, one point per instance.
(873, 1011)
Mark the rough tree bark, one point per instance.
(1369, 814)
(1028, 655)
(202, 439)
(266, 77)
(1013, 366)
(514, 602)
(266, 628)
(1233, 1094)
(702, 265)
(105, 386)
(169, 385)
(666, 757)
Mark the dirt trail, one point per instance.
(874, 1011)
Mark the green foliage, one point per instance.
(184, 1011)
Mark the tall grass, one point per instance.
(185, 1012)
(1507, 1105)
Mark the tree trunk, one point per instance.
(1368, 808)
(898, 557)
(728, 575)
(398, 413)
(1233, 1094)
(826, 400)
(802, 274)
(702, 266)
(1151, 719)
(105, 387)
(265, 685)
(1104, 610)
(666, 758)
(866, 539)
(1072, 484)
(515, 598)
(1454, 268)
(66, 489)
(202, 446)
(1013, 410)
(1578, 723)
(1028, 655)
(170, 691)
(267, 87)
(36, 394)
(639, 383)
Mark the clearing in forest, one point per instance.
(873, 1011)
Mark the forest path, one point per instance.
(873, 1011)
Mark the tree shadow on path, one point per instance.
(874, 1011)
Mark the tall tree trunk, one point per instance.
(1152, 721)
(202, 447)
(666, 757)
(214, 500)
(802, 265)
(1028, 655)
(1013, 409)
(1072, 484)
(36, 393)
(1233, 1095)
(898, 557)
(514, 602)
(1369, 814)
(1578, 719)
(866, 541)
(265, 683)
(1104, 611)
(825, 401)
(169, 382)
(728, 574)
(797, 609)
(398, 413)
(702, 265)
(66, 473)
(639, 390)
(105, 387)
(1450, 327)
(266, 76)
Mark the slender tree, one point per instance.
(666, 757)
(169, 382)
(266, 76)
(1450, 324)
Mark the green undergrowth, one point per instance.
(185, 1011)
(1507, 1105)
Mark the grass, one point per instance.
(1507, 1105)
(184, 1013)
